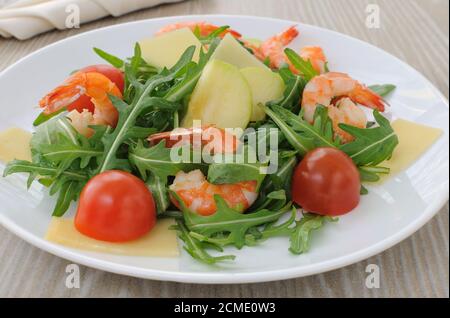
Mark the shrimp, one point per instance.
(82, 121)
(346, 112)
(330, 90)
(94, 85)
(218, 140)
(204, 28)
(273, 48)
(316, 56)
(193, 188)
(198, 194)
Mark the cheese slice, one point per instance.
(15, 144)
(414, 141)
(159, 242)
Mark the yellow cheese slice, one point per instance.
(160, 242)
(15, 144)
(414, 141)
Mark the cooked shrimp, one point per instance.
(218, 140)
(204, 28)
(274, 47)
(316, 56)
(347, 112)
(94, 85)
(198, 194)
(328, 88)
(81, 122)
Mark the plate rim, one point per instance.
(230, 278)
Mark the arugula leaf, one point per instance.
(215, 35)
(195, 248)
(57, 143)
(304, 67)
(143, 100)
(127, 118)
(205, 40)
(301, 237)
(137, 72)
(285, 228)
(111, 59)
(68, 183)
(228, 227)
(68, 193)
(65, 152)
(229, 173)
(295, 140)
(160, 193)
(372, 174)
(282, 178)
(371, 146)
(234, 168)
(17, 166)
(136, 60)
(187, 84)
(228, 220)
(383, 90)
(52, 131)
(302, 135)
(42, 118)
(294, 87)
(157, 160)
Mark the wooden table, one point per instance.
(414, 30)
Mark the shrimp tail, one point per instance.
(365, 96)
(289, 35)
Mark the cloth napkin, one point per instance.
(24, 19)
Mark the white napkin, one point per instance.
(26, 18)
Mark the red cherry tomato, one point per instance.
(326, 182)
(116, 76)
(115, 206)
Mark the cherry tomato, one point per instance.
(115, 76)
(326, 182)
(115, 206)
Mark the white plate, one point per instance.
(388, 215)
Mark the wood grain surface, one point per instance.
(416, 31)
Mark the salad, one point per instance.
(239, 140)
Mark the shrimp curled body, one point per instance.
(340, 93)
(273, 49)
(198, 194)
(94, 85)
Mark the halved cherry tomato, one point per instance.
(326, 182)
(115, 206)
(116, 76)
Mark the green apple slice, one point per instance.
(222, 97)
(265, 85)
(232, 52)
(165, 50)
